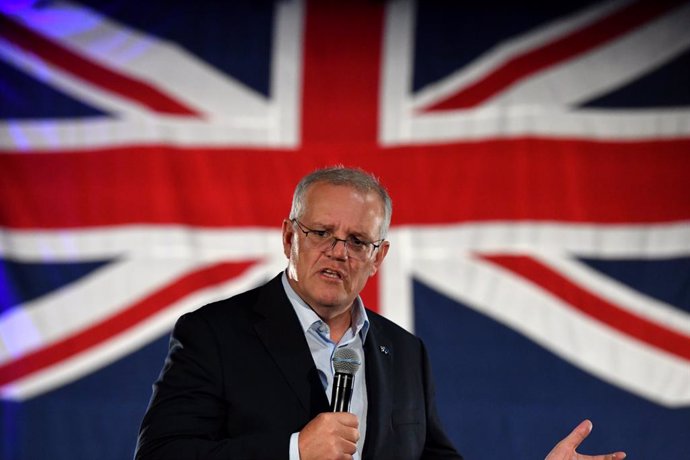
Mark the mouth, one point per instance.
(332, 274)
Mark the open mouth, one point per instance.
(333, 274)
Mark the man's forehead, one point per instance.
(319, 188)
(322, 194)
(323, 205)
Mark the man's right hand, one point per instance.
(329, 436)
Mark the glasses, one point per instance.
(324, 240)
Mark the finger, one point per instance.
(348, 434)
(614, 456)
(339, 419)
(347, 419)
(577, 435)
(350, 448)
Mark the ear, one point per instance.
(379, 256)
(288, 234)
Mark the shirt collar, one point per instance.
(307, 317)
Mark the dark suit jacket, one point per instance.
(239, 380)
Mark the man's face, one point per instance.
(328, 279)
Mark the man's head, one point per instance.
(334, 237)
(351, 177)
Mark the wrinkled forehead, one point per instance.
(328, 203)
(323, 191)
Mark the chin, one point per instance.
(330, 301)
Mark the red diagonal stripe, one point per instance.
(579, 42)
(120, 322)
(96, 74)
(595, 307)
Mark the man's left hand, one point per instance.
(565, 450)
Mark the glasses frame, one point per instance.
(306, 230)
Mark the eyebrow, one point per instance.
(329, 227)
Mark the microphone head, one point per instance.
(346, 361)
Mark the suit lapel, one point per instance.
(278, 328)
(379, 371)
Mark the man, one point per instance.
(249, 377)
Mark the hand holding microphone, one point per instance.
(329, 435)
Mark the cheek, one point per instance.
(361, 278)
(303, 262)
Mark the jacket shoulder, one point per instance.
(239, 306)
(391, 329)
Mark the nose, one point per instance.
(339, 251)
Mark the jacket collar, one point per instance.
(278, 328)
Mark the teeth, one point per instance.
(331, 273)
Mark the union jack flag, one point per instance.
(538, 157)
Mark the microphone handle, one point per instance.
(342, 392)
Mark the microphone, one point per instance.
(346, 362)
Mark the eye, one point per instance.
(357, 243)
(321, 234)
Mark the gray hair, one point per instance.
(356, 178)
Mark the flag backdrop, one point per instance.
(538, 157)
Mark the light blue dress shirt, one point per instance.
(318, 337)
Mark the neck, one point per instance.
(338, 323)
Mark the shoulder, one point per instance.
(393, 331)
(237, 309)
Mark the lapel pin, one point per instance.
(384, 349)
